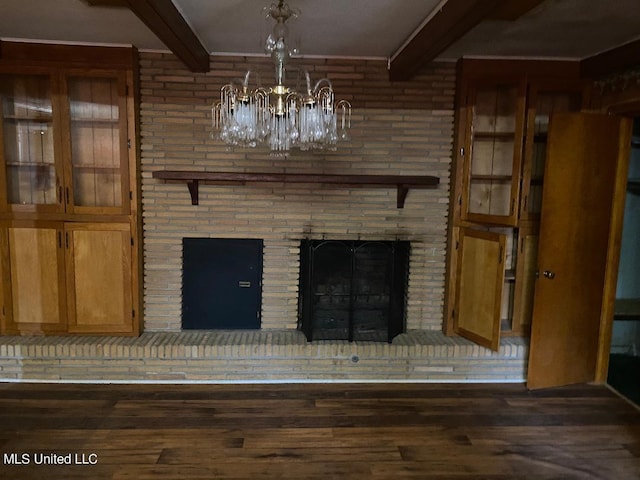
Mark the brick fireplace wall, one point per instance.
(400, 128)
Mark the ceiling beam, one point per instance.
(164, 19)
(168, 24)
(453, 21)
(514, 9)
(612, 61)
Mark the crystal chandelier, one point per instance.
(278, 116)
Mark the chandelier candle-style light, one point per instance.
(279, 116)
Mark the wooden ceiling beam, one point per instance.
(164, 19)
(514, 9)
(168, 24)
(451, 23)
(612, 61)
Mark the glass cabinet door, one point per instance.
(544, 101)
(494, 149)
(98, 145)
(28, 141)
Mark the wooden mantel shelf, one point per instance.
(402, 182)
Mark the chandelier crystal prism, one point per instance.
(280, 117)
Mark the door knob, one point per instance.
(549, 274)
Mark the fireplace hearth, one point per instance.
(353, 290)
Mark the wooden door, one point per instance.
(99, 277)
(33, 278)
(545, 98)
(587, 154)
(480, 285)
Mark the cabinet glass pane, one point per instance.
(489, 197)
(491, 173)
(495, 109)
(95, 142)
(492, 157)
(27, 134)
(492, 150)
(550, 102)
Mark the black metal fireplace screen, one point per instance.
(353, 290)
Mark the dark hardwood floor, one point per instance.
(312, 431)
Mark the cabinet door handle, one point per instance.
(549, 274)
(66, 239)
(67, 194)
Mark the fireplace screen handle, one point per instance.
(244, 284)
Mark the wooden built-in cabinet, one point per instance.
(69, 196)
(502, 122)
(66, 152)
(492, 172)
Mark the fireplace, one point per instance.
(353, 290)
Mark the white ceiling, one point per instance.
(344, 28)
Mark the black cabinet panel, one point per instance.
(221, 283)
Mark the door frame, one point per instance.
(628, 108)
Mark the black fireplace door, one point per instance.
(353, 290)
(221, 283)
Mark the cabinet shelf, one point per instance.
(109, 121)
(96, 167)
(540, 137)
(26, 118)
(491, 178)
(30, 164)
(402, 182)
(490, 135)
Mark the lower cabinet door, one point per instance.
(99, 287)
(479, 292)
(33, 278)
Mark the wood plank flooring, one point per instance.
(312, 431)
